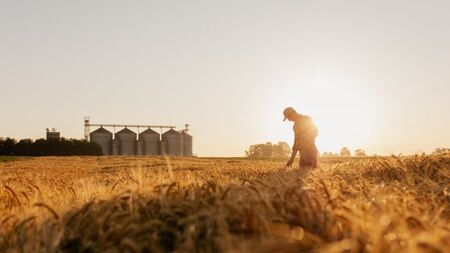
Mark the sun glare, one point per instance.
(344, 116)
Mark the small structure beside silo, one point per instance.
(53, 134)
(187, 144)
(187, 141)
(149, 142)
(104, 139)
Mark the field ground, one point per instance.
(139, 204)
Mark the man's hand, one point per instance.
(289, 163)
(291, 160)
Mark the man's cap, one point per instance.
(288, 112)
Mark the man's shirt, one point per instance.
(305, 132)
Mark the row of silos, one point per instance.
(149, 142)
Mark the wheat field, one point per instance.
(168, 204)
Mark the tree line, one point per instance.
(42, 147)
(269, 150)
(441, 151)
(346, 152)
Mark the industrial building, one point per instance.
(53, 134)
(148, 142)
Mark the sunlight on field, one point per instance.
(135, 204)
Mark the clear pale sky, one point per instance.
(372, 74)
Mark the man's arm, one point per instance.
(295, 149)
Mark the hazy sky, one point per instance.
(372, 74)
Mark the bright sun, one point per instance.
(344, 117)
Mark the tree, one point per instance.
(360, 152)
(24, 147)
(255, 151)
(42, 147)
(441, 150)
(7, 146)
(268, 150)
(281, 150)
(329, 154)
(345, 151)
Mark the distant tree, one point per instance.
(42, 147)
(255, 151)
(329, 154)
(7, 146)
(24, 147)
(360, 152)
(281, 150)
(441, 150)
(345, 151)
(268, 150)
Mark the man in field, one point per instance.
(305, 134)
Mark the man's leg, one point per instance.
(313, 161)
(314, 156)
(309, 158)
(303, 163)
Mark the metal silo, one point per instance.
(163, 147)
(116, 147)
(187, 144)
(127, 142)
(103, 138)
(173, 142)
(151, 141)
(140, 147)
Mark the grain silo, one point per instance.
(163, 147)
(103, 138)
(151, 141)
(116, 147)
(124, 142)
(187, 144)
(172, 143)
(127, 142)
(140, 147)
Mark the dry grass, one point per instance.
(132, 204)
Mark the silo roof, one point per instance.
(171, 131)
(149, 131)
(101, 130)
(185, 133)
(125, 131)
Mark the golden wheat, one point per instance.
(139, 204)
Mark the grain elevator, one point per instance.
(148, 142)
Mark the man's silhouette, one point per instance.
(305, 134)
